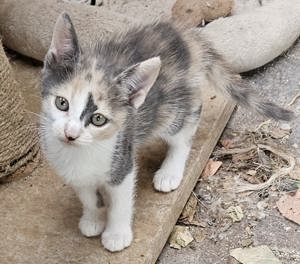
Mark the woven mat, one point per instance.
(18, 136)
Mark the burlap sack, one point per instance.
(18, 137)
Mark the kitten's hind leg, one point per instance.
(92, 221)
(169, 176)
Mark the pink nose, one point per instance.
(70, 137)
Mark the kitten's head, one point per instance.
(81, 101)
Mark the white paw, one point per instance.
(166, 182)
(116, 240)
(90, 227)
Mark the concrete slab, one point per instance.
(39, 214)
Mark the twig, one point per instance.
(279, 173)
(199, 201)
(267, 122)
(294, 99)
(235, 151)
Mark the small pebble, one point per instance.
(221, 236)
(285, 126)
(247, 242)
(261, 205)
(287, 228)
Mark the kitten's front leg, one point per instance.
(169, 176)
(92, 221)
(118, 232)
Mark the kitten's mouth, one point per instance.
(67, 142)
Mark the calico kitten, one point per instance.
(101, 104)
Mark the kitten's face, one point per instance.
(80, 110)
(84, 101)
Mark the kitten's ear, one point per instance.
(138, 80)
(64, 47)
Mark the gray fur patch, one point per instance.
(100, 201)
(89, 109)
(239, 93)
(60, 68)
(55, 76)
(271, 110)
(148, 114)
(122, 160)
(197, 113)
(242, 93)
(141, 43)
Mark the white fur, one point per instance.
(118, 232)
(170, 174)
(80, 165)
(92, 221)
(87, 169)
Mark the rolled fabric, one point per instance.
(247, 41)
(252, 39)
(192, 12)
(18, 137)
(26, 26)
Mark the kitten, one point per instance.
(101, 104)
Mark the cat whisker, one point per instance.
(41, 116)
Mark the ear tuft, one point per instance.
(139, 79)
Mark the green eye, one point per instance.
(62, 103)
(98, 120)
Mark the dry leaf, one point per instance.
(254, 255)
(250, 179)
(295, 174)
(198, 222)
(285, 126)
(261, 205)
(194, 222)
(211, 168)
(243, 156)
(246, 242)
(278, 133)
(199, 235)
(289, 207)
(180, 237)
(189, 210)
(235, 213)
(251, 172)
(226, 143)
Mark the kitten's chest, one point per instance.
(89, 168)
(82, 166)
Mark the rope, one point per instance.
(18, 140)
